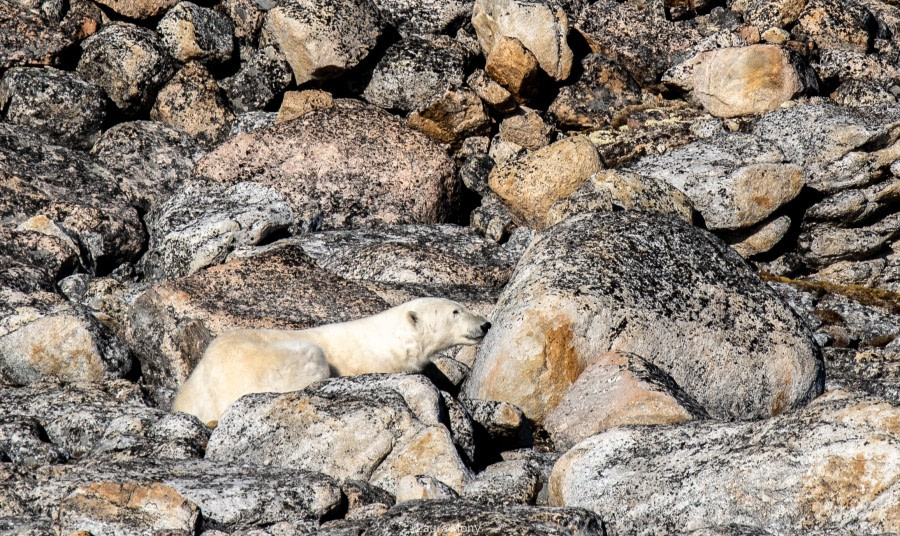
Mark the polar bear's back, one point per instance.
(249, 361)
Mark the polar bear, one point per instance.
(400, 339)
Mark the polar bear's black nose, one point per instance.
(486, 326)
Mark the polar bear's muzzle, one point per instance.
(477, 336)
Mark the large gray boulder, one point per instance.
(128, 62)
(654, 286)
(29, 39)
(831, 468)
(150, 159)
(201, 224)
(350, 165)
(67, 188)
(349, 431)
(57, 105)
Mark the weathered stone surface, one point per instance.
(105, 420)
(250, 121)
(172, 323)
(539, 26)
(62, 342)
(345, 166)
(247, 18)
(230, 497)
(872, 370)
(113, 508)
(652, 128)
(139, 9)
(54, 104)
(839, 148)
(150, 159)
(515, 68)
(603, 87)
(735, 181)
(193, 33)
(506, 482)
(730, 82)
(193, 102)
(322, 39)
(450, 516)
(764, 14)
(823, 244)
(882, 272)
(702, 317)
(27, 39)
(838, 472)
(72, 190)
(416, 69)
(833, 24)
(531, 184)
(611, 190)
(421, 487)
(527, 129)
(423, 17)
(368, 434)
(504, 423)
(128, 62)
(452, 117)
(297, 103)
(618, 389)
(264, 76)
(491, 92)
(23, 441)
(198, 226)
(364, 498)
(761, 238)
(44, 245)
(436, 257)
(636, 36)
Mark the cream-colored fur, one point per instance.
(400, 339)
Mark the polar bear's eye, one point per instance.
(456, 312)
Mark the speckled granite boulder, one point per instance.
(150, 159)
(437, 260)
(450, 516)
(654, 286)
(416, 69)
(250, 121)
(603, 87)
(541, 27)
(54, 104)
(198, 226)
(193, 102)
(361, 433)
(832, 466)
(350, 165)
(72, 190)
(322, 39)
(637, 36)
(28, 39)
(734, 181)
(193, 33)
(424, 17)
(230, 497)
(264, 76)
(139, 9)
(128, 62)
(171, 324)
(108, 420)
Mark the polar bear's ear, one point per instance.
(413, 317)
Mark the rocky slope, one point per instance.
(681, 216)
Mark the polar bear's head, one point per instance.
(445, 323)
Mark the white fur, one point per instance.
(400, 339)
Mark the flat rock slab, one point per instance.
(349, 165)
(456, 516)
(229, 497)
(654, 286)
(833, 467)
